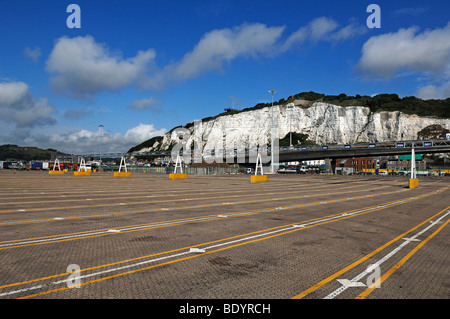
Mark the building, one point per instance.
(403, 163)
(355, 165)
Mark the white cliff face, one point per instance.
(324, 123)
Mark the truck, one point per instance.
(39, 165)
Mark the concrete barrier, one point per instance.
(56, 172)
(258, 178)
(81, 173)
(413, 182)
(177, 176)
(122, 174)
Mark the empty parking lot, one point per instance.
(215, 237)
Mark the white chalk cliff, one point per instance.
(324, 123)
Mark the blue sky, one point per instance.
(140, 68)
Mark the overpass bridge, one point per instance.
(304, 153)
(364, 150)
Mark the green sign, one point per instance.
(408, 157)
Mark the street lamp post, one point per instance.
(271, 135)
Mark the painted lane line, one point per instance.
(90, 275)
(102, 232)
(341, 289)
(196, 250)
(363, 259)
(191, 250)
(215, 197)
(197, 206)
(54, 283)
(387, 274)
(98, 233)
(411, 239)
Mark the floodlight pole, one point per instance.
(413, 162)
(271, 135)
(100, 128)
(290, 106)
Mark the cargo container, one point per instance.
(7, 164)
(39, 165)
(36, 165)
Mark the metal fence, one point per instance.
(189, 170)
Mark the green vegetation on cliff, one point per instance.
(381, 102)
(377, 103)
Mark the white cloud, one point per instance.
(407, 49)
(84, 141)
(426, 52)
(434, 91)
(77, 113)
(33, 54)
(19, 106)
(323, 29)
(141, 133)
(218, 47)
(349, 31)
(82, 67)
(146, 104)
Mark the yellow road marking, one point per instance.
(77, 217)
(9, 211)
(220, 249)
(386, 275)
(359, 261)
(188, 220)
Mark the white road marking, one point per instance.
(348, 283)
(356, 279)
(341, 289)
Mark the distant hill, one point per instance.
(11, 152)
